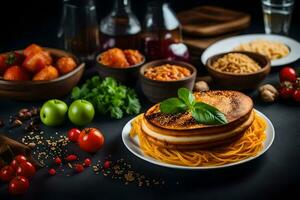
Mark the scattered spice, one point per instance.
(49, 149)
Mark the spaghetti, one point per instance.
(249, 145)
(272, 49)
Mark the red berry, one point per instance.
(57, 160)
(73, 134)
(18, 185)
(52, 172)
(296, 95)
(26, 169)
(79, 168)
(7, 173)
(286, 92)
(17, 161)
(71, 158)
(106, 164)
(288, 74)
(87, 162)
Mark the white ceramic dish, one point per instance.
(133, 146)
(229, 44)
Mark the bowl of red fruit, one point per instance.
(37, 73)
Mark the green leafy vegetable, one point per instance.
(201, 112)
(108, 97)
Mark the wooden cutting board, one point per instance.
(198, 44)
(212, 21)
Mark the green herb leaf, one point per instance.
(11, 58)
(108, 96)
(186, 96)
(207, 114)
(201, 112)
(173, 105)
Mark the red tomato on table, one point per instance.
(90, 140)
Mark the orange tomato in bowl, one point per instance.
(65, 65)
(46, 74)
(37, 61)
(32, 49)
(16, 73)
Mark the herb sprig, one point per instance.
(201, 112)
(108, 96)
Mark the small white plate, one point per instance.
(229, 44)
(133, 146)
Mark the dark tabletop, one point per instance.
(275, 174)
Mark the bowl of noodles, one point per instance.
(238, 70)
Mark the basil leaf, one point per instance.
(172, 105)
(186, 96)
(207, 114)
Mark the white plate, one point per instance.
(229, 44)
(133, 146)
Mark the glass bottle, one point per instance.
(79, 30)
(120, 28)
(161, 28)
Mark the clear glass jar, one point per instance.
(120, 28)
(79, 30)
(161, 28)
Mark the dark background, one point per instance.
(27, 21)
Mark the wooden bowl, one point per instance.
(157, 91)
(42, 90)
(229, 80)
(127, 75)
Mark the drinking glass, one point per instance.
(79, 30)
(277, 16)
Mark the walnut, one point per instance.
(201, 86)
(268, 93)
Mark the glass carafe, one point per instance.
(79, 31)
(120, 28)
(161, 28)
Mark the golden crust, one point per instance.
(235, 105)
(181, 131)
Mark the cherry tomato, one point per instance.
(79, 168)
(7, 173)
(90, 140)
(87, 162)
(73, 134)
(106, 164)
(288, 74)
(57, 160)
(52, 172)
(17, 161)
(18, 185)
(296, 95)
(26, 169)
(286, 92)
